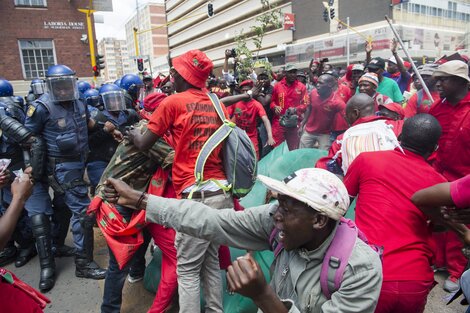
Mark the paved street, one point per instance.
(75, 295)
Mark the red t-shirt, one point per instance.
(460, 192)
(453, 155)
(245, 115)
(384, 182)
(191, 119)
(412, 107)
(336, 145)
(321, 118)
(291, 96)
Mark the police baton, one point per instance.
(426, 90)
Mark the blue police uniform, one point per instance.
(64, 129)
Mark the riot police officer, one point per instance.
(134, 90)
(14, 141)
(37, 89)
(9, 106)
(82, 86)
(113, 116)
(62, 120)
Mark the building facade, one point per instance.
(116, 58)
(150, 20)
(40, 33)
(417, 21)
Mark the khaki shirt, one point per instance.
(296, 274)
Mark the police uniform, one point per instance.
(64, 129)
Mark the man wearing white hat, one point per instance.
(453, 156)
(305, 221)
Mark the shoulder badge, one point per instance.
(31, 110)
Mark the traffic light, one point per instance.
(332, 13)
(210, 10)
(99, 59)
(325, 15)
(140, 65)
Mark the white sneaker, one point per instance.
(451, 286)
(133, 279)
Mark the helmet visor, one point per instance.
(94, 101)
(141, 95)
(114, 101)
(38, 88)
(62, 88)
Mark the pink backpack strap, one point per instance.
(337, 257)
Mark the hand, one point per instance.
(109, 127)
(228, 54)
(277, 110)
(393, 45)
(459, 216)
(368, 47)
(5, 178)
(256, 91)
(245, 277)
(270, 142)
(22, 187)
(132, 133)
(117, 191)
(117, 135)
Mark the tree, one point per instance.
(246, 59)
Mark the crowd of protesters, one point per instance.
(398, 147)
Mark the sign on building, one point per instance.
(103, 5)
(289, 21)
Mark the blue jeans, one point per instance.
(94, 170)
(115, 278)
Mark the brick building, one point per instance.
(40, 33)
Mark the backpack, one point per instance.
(337, 255)
(365, 137)
(239, 155)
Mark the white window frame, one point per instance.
(39, 48)
(29, 3)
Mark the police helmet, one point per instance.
(6, 89)
(92, 97)
(38, 86)
(82, 86)
(61, 83)
(133, 85)
(117, 82)
(112, 97)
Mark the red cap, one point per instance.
(407, 64)
(152, 101)
(395, 107)
(247, 82)
(194, 66)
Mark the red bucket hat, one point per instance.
(394, 107)
(194, 66)
(152, 101)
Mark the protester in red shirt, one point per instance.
(368, 84)
(246, 113)
(288, 94)
(191, 119)
(318, 119)
(453, 157)
(419, 101)
(388, 218)
(359, 110)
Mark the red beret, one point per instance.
(152, 101)
(247, 82)
(394, 107)
(194, 66)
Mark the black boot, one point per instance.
(85, 266)
(8, 254)
(42, 232)
(25, 239)
(24, 255)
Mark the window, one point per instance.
(36, 57)
(31, 3)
